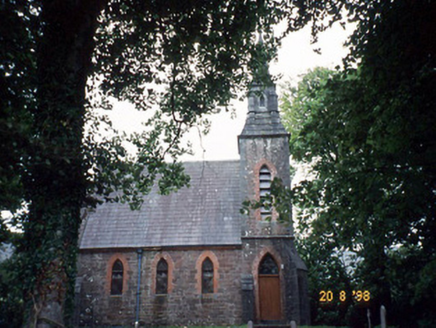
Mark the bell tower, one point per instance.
(264, 152)
(274, 285)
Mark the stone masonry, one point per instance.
(249, 263)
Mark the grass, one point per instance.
(243, 326)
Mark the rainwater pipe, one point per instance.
(138, 290)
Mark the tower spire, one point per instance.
(261, 74)
(263, 115)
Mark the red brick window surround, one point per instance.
(207, 276)
(264, 254)
(162, 274)
(117, 275)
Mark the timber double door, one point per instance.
(269, 290)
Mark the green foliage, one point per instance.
(11, 302)
(326, 272)
(279, 198)
(302, 99)
(16, 76)
(183, 60)
(369, 135)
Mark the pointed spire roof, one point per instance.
(263, 115)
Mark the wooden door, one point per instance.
(269, 295)
(269, 290)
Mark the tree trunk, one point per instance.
(56, 183)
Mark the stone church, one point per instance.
(191, 258)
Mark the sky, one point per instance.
(295, 57)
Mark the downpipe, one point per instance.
(138, 290)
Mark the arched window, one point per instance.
(264, 191)
(117, 278)
(162, 277)
(268, 265)
(207, 276)
(262, 101)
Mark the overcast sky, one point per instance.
(295, 57)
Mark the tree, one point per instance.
(369, 132)
(330, 284)
(185, 57)
(11, 300)
(326, 259)
(197, 53)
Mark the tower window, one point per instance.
(117, 278)
(262, 101)
(264, 191)
(207, 277)
(162, 277)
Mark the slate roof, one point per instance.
(207, 213)
(263, 121)
(262, 124)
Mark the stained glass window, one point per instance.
(117, 278)
(207, 277)
(268, 266)
(162, 277)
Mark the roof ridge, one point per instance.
(212, 160)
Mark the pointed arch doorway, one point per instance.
(269, 290)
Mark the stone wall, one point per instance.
(292, 275)
(183, 305)
(256, 152)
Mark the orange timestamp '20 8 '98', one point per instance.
(326, 296)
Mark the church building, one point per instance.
(191, 257)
